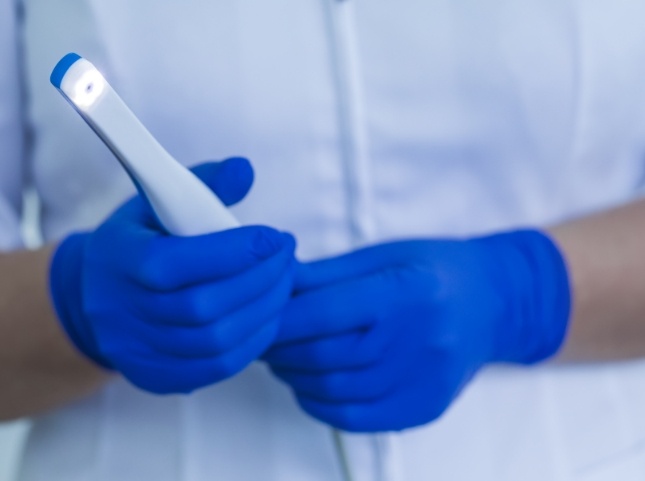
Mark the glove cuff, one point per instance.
(537, 286)
(65, 281)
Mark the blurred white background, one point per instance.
(12, 436)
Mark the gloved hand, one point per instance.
(386, 337)
(174, 314)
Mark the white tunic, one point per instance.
(365, 120)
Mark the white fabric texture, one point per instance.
(12, 168)
(365, 121)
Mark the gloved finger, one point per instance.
(390, 413)
(206, 303)
(221, 336)
(161, 375)
(413, 403)
(230, 179)
(357, 264)
(357, 349)
(361, 385)
(335, 309)
(352, 385)
(137, 216)
(169, 263)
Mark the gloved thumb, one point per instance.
(230, 179)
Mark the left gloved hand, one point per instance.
(386, 337)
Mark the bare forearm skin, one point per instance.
(606, 258)
(39, 368)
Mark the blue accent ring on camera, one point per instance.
(62, 67)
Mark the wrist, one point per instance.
(66, 290)
(532, 275)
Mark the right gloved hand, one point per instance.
(173, 314)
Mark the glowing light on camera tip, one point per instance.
(88, 89)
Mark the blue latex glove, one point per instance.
(174, 314)
(386, 337)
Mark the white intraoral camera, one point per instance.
(184, 205)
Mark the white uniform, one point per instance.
(365, 120)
